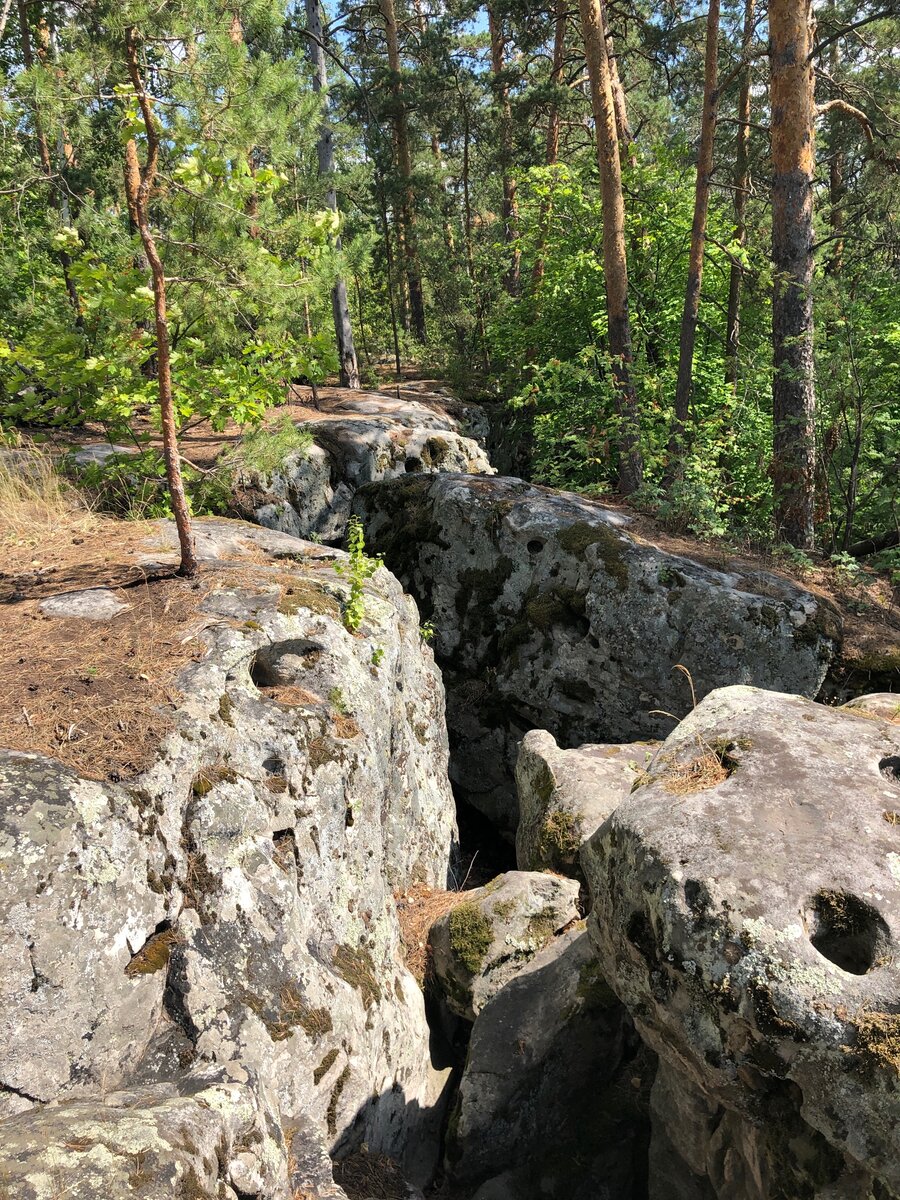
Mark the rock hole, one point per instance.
(413, 465)
(848, 931)
(281, 663)
(535, 546)
(890, 768)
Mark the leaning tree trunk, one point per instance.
(340, 306)
(691, 308)
(741, 186)
(139, 183)
(615, 265)
(793, 161)
(404, 165)
(512, 278)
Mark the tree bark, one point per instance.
(741, 187)
(615, 265)
(836, 187)
(512, 279)
(793, 161)
(340, 306)
(698, 242)
(138, 187)
(623, 128)
(551, 156)
(407, 208)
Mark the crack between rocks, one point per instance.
(13, 1091)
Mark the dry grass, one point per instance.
(706, 771)
(367, 1176)
(97, 695)
(417, 909)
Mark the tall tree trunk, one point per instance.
(741, 187)
(512, 279)
(615, 265)
(793, 161)
(436, 153)
(43, 145)
(836, 188)
(698, 242)
(407, 208)
(139, 183)
(623, 128)
(552, 147)
(340, 306)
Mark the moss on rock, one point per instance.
(471, 936)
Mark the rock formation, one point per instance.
(746, 910)
(212, 946)
(485, 941)
(565, 795)
(368, 438)
(548, 615)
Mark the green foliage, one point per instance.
(133, 486)
(359, 568)
(265, 449)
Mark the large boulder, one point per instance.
(210, 1136)
(548, 615)
(746, 910)
(553, 1100)
(482, 943)
(232, 905)
(368, 438)
(565, 795)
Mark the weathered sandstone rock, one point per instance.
(548, 615)
(232, 906)
(370, 438)
(553, 1099)
(484, 942)
(565, 795)
(209, 1136)
(746, 910)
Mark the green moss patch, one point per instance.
(471, 936)
(302, 594)
(578, 537)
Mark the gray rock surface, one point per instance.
(747, 912)
(210, 1136)
(89, 604)
(565, 795)
(553, 1098)
(882, 705)
(233, 904)
(548, 615)
(369, 438)
(484, 942)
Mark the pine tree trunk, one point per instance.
(512, 279)
(741, 186)
(407, 208)
(551, 156)
(793, 161)
(698, 242)
(623, 129)
(138, 187)
(836, 189)
(340, 307)
(615, 265)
